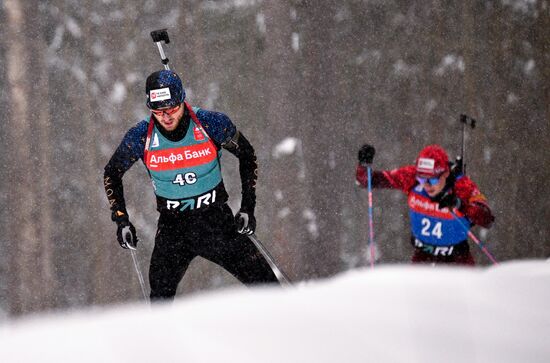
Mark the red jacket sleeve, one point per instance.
(474, 204)
(403, 178)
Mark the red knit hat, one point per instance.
(432, 161)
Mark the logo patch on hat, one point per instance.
(159, 94)
(425, 165)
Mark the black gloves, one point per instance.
(450, 201)
(126, 232)
(246, 222)
(366, 154)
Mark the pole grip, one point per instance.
(160, 35)
(467, 120)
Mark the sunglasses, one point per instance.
(167, 111)
(432, 181)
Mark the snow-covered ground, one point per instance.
(389, 314)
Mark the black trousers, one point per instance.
(210, 234)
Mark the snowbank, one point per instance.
(389, 314)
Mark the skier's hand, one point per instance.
(126, 232)
(246, 223)
(366, 154)
(450, 201)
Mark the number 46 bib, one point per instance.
(185, 168)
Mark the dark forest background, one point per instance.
(319, 77)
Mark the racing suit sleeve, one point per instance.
(401, 178)
(473, 204)
(128, 152)
(248, 169)
(225, 134)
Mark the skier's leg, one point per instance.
(237, 254)
(465, 259)
(169, 261)
(420, 257)
(460, 256)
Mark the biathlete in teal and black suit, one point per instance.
(181, 147)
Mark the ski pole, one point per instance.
(159, 36)
(469, 121)
(466, 121)
(138, 271)
(371, 229)
(476, 240)
(281, 276)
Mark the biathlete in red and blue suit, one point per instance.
(433, 191)
(181, 148)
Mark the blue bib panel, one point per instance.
(434, 226)
(186, 168)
